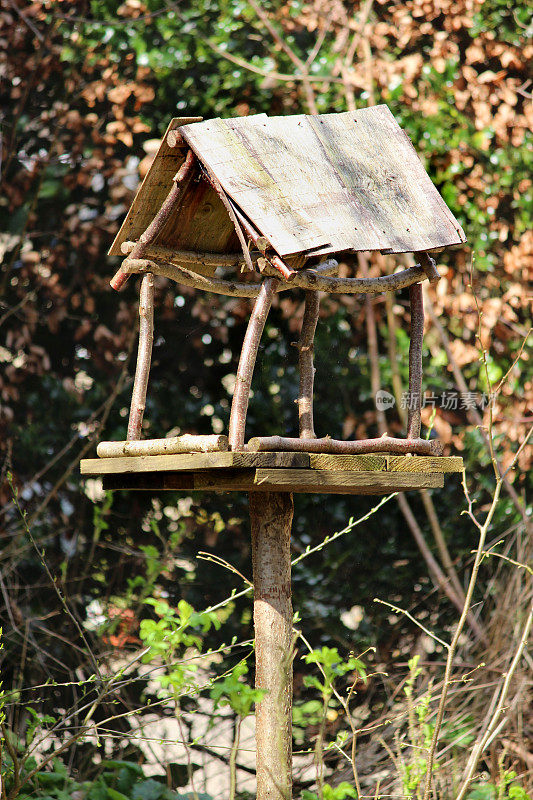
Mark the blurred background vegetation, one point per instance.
(87, 87)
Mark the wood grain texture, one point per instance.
(153, 190)
(328, 183)
(363, 463)
(344, 481)
(190, 461)
(424, 464)
(277, 480)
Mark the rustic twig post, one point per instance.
(306, 366)
(271, 520)
(241, 395)
(416, 299)
(144, 356)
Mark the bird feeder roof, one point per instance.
(312, 185)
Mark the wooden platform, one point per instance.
(280, 472)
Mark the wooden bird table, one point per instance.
(290, 192)
(271, 478)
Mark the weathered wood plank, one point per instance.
(363, 463)
(380, 168)
(153, 190)
(424, 464)
(353, 178)
(190, 461)
(279, 480)
(343, 481)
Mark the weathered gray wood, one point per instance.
(381, 170)
(330, 183)
(271, 519)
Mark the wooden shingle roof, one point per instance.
(309, 184)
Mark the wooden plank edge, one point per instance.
(191, 461)
(424, 464)
(273, 480)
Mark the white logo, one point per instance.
(384, 400)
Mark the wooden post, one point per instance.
(271, 519)
(245, 370)
(306, 366)
(414, 422)
(144, 357)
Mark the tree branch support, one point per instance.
(245, 371)
(144, 357)
(414, 421)
(306, 367)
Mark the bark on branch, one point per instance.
(144, 357)
(307, 279)
(241, 394)
(414, 422)
(187, 443)
(306, 367)
(271, 518)
(385, 444)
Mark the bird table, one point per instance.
(280, 200)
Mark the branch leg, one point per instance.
(271, 518)
(241, 395)
(414, 422)
(306, 367)
(144, 357)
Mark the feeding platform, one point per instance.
(273, 472)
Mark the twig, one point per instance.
(457, 633)
(413, 619)
(473, 414)
(496, 723)
(296, 60)
(241, 395)
(438, 576)
(191, 256)
(144, 357)
(305, 346)
(53, 580)
(414, 421)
